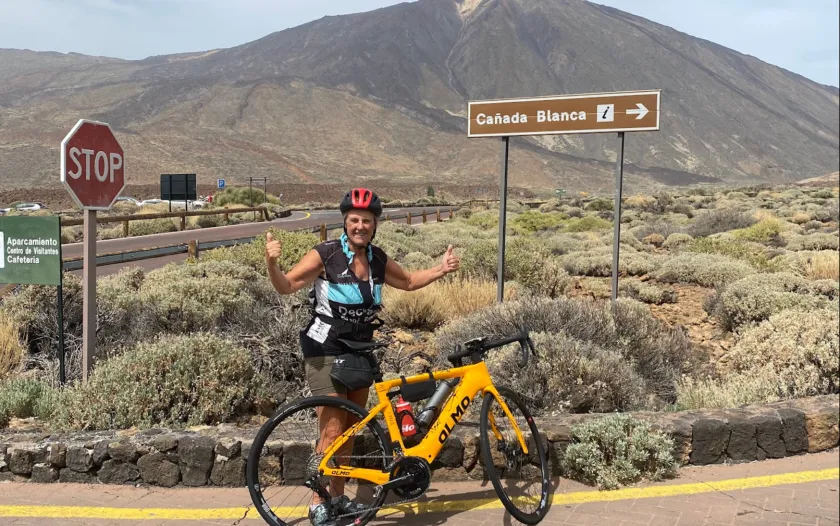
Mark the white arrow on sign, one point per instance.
(640, 113)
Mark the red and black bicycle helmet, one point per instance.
(361, 199)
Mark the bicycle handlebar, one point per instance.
(481, 347)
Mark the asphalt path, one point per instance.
(297, 221)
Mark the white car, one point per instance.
(129, 200)
(29, 207)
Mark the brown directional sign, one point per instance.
(589, 113)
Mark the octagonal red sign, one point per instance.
(92, 165)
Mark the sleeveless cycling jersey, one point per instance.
(343, 306)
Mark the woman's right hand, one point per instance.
(273, 249)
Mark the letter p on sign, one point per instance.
(92, 165)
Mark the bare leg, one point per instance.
(331, 423)
(360, 397)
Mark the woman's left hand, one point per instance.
(451, 262)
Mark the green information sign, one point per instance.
(30, 250)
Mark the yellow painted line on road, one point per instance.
(581, 497)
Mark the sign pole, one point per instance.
(62, 375)
(619, 176)
(503, 180)
(89, 288)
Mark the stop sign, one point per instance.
(92, 165)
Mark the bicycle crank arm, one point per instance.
(392, 484)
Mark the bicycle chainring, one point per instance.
(419, 471)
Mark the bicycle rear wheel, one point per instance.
(521, 480)
(286, 453)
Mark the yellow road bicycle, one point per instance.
(290, 461)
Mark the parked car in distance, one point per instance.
(126, 199)
(29, 206)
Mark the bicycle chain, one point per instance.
(344, 515)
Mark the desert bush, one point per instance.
(562, 243)
(599, 205)
(586, 224)
(486, 220)
(707, 270)
(753, 253)
(24, 398)
(208, 221)
(800, 347)
(552, 205)
(823, 193)
(295, 246)
(761, 232)
(656, 240)
(658, 353)
(720, 220)
(444, 300)
(417, 261)
(243, 196)
(677, 240)
(755, 298)
(173, 381)
(800, 218)
(598, 262)
(574, 211)
(639, 202)
(618, 449)
(572, 373)
(71, 234)
(681, 208)
(732, 390)
(12, 351)
(823, 264)
(812, 226)
(647, 292)
(463, 213)
(813, 242)
(33, 309)
(660, 226)
(202, 296)
(530, 222)
(148, 227)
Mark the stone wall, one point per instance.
(216, 456)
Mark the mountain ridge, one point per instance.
(384, 93)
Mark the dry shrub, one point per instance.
(708, 270)
(800, 218)
(24, 398)
(657, 353)
(295, 246)
(647, 292)
(765, 230)
(598, 262)
(755, 298)
(148, 227)
(640, 202)
(677, 240)
(12, 351)
(800, 347)
(721, 220)
(813, 242)
(654, 239)
(173, 381)
(444, 300)
(823, 265)
(733, 390)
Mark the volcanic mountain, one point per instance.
(383, 94)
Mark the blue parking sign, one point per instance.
(221, 183)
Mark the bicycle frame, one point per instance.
(475, 381)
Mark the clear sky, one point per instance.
(798, 35)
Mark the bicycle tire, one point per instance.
(493, 473)
(284, 412)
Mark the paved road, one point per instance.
(297, 220)
(787, 492)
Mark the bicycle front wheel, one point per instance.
(282, 471)
(521, 480)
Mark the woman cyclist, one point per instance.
(347, 276)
